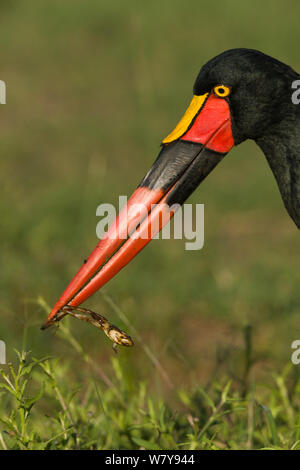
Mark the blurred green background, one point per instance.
(92, 89)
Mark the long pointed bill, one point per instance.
(189, 153)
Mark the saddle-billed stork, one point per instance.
(240, 94)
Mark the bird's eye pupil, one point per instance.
(222, 90)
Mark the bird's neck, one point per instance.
(282, 149)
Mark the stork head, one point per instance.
(240, 94)
(260, 90)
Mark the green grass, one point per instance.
(92, 89)
(40, 410)
(44, 413)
